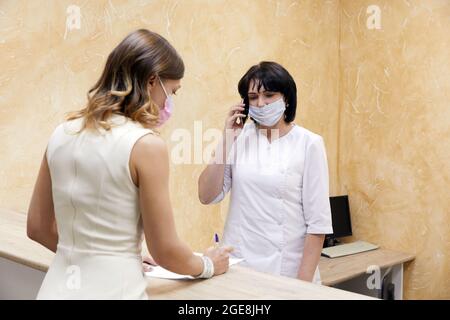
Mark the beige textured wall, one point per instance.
(394, 152)
(46, 71)
(391, 155)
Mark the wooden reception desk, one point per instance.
(238, 283)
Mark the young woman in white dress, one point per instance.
(278, 175)
(103, 183)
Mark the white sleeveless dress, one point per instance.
(97, 214)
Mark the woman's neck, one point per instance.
(276, 131)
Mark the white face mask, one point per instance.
(269, 114)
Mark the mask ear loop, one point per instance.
(160, 82)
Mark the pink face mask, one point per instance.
(166, 112)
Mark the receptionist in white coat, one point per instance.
(277, 172)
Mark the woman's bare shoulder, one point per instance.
(149, 150)
(150, 141)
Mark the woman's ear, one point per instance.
(152, 81)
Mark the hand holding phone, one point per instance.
(235, 117)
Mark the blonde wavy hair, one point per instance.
(123, 86)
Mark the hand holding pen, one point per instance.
(219, 255)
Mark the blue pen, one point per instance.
(216, 240)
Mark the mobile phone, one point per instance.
(246, 106)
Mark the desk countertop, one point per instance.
(238, 283)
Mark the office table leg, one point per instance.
(397, 280)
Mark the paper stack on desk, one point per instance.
(160, 272)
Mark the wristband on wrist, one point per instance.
(208, 268)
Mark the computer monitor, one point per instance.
(340, 216)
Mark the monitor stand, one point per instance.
(330, 242)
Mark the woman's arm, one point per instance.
(211, 180)
(150, 159)
(41, 222)
(316, 207)
(311, 256)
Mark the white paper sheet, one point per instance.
(160, 272)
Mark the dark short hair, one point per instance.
(274, 77)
